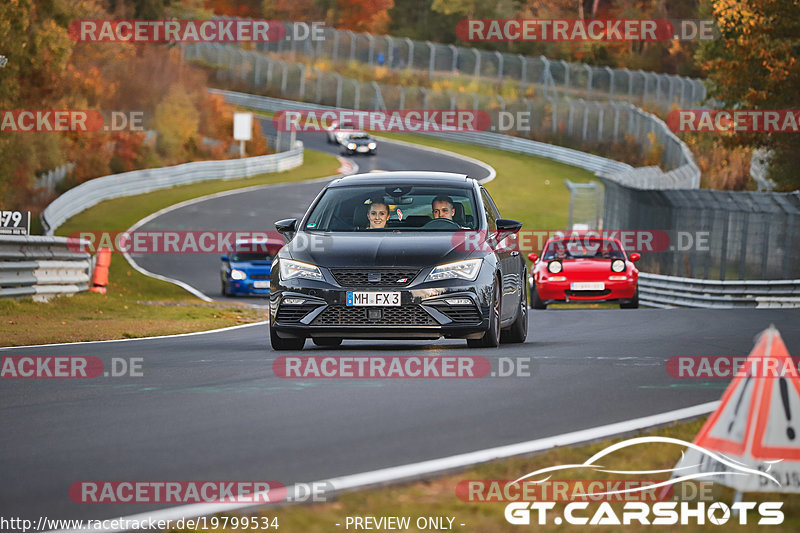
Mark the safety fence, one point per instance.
(96, 190)
(554, 77)
(42, 267)
(669, 291)
(719, 234)
(587, 124)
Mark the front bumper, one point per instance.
(423, 312)
(560, 291)
(247, 286)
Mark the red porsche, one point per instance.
(583, 268)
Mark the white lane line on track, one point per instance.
(175, 335)
(152, 216)
(436, 466)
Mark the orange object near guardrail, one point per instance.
(100, 275)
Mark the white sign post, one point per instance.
(242, 129)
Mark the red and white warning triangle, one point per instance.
(756, 425)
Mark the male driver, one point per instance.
(442, 207)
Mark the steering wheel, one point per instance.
(442, 223)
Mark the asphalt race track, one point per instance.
(209, 406)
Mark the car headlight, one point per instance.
(237, 274)
(467, 270)
(295, 269)
(351, 146)
(372, 146)
(554, 267)
(618, 265)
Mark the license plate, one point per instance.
(373, 298)
(362, 149)
(261, 284)
(588, 286)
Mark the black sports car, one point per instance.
(358, 142)
(370, 260)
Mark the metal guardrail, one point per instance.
(42, 266)
(92, 192)
(684, 177)
(669, 291)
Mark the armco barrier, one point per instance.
(668, 291)
(41, 267)
(94, 191)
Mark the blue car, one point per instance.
(246, 270)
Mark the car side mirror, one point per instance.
(505, 225)
(287, 228)
(635, 257)
(225, 258)
(533, 257)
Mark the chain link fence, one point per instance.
(557, 78)
(588, 124)
(719, 235)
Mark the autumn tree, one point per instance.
(755, 65)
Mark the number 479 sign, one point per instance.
(15, 222)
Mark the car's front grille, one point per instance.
(465, 314)
(410, 315)
(259, 276)
(293, 313)
(374, 277)
(569, 292)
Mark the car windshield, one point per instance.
(409, 208)
(583, 248)
(244, 257)
(359, 137)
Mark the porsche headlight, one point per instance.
(295, 269)
(467, 270)
(351, 146)
(372, 146)
(618, 265)
(237, 274)
(554, 267)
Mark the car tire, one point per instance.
(536, 302)
(280, 344)
(327, 341)
(518, 331)
(491, 338)
(633, 303)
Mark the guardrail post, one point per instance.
(402, 97)
(554, 104)
(477, 53)
(523, 68)
(502, 102)
(284, 77)
(352, 45)
(335, 52)
(571, 116)
(723, 258)
(452, 102)
(585, 118)
(389, 51)
(610, 83)
(424, 92)
(566, 76)
(338, 89)
(454, 60)
(475, 102)
(499, 57)
(371, 52)
(379, 103)
(589, 73)
(431, 58)
(301, 91)
(357, 96)
(410, 43)
(318, 96)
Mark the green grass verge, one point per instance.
(437, 497)
(137, 305)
